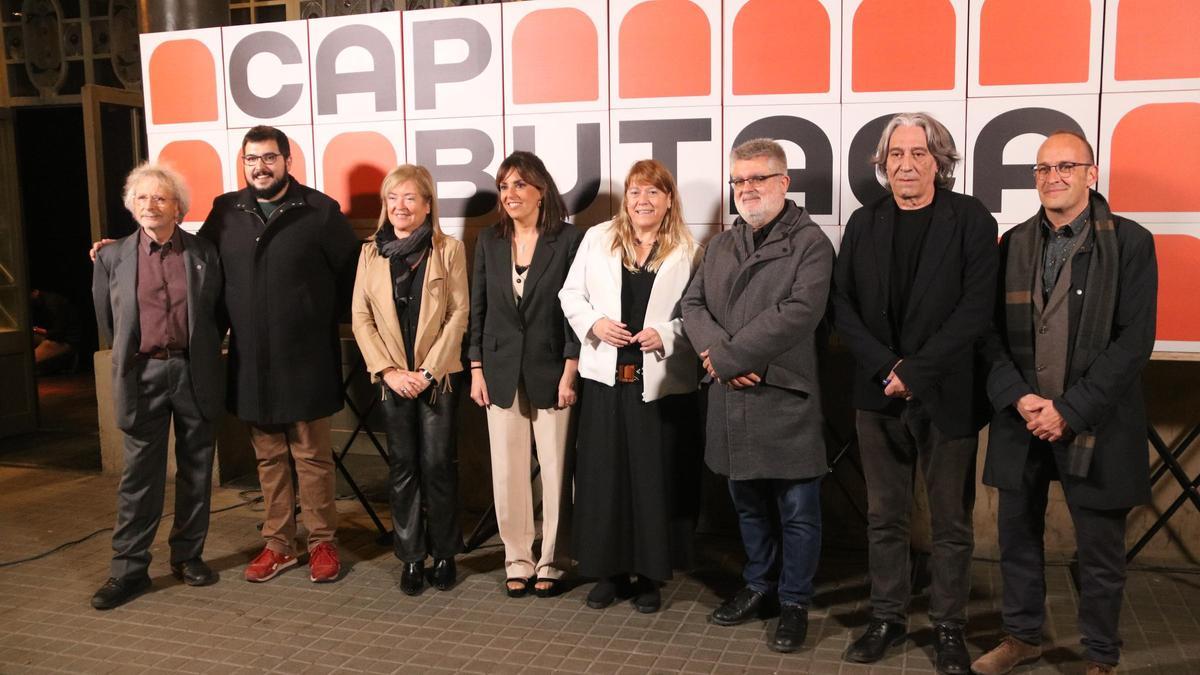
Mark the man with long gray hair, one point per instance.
(914, 289)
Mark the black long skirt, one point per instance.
(632, 480)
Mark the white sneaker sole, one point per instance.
(275, 572)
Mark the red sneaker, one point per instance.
(323, 563)
(268, 565)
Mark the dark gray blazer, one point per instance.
(758, 311)
(531, 342)
(114, 292)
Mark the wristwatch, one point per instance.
(426, 374)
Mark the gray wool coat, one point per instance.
(758, 312)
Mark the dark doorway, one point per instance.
(52, 172)
(54, 209)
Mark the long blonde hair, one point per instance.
(672, 232)
(425, 186)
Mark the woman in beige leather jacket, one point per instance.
(410, 311)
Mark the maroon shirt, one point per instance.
(162, 294)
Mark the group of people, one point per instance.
(634, 323)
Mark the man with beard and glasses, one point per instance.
(289, 255)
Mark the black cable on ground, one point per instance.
(242, 495)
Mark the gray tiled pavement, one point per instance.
(364, 624)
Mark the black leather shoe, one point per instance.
(951, 648)
(791, 630)
(194, 572)
(116, 592)
(444, 573)
(647, 599)
(746, 605)
(874, 643)
(607, 590)
(412, 579)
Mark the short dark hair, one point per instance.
(262, 133)
(1091, 153)
(534, 172)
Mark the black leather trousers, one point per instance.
(424, 473)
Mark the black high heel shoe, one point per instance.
(412, 579)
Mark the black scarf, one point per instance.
(404, 255)
(1095, 321)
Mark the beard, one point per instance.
(272, 189)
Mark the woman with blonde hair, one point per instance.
(410, 311)
(639, 373)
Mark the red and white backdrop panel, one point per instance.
(594, 86)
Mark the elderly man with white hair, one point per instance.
(156, 293)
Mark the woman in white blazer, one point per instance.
(639, 372)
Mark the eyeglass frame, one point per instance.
(252, 160)
(753, 181)
(154, 199)
(1042, 171)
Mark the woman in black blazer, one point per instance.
(524, 360)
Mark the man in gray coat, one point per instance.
(156, 294)
(752, 313)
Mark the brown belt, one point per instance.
(627, 373)
(163, 354)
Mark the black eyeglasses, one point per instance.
(269, 158)
(1064, 169)
(752, 181)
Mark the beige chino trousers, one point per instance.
(310, 446)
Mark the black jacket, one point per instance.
(1106, 400)
(287, 282)
(949, 309)
(529, 343)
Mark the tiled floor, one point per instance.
(364, 624)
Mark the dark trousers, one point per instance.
(423, 466)
(164, 394)
(1100, 548)
(780, 523)
(893, 447)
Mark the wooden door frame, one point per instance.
(94, 96)
(25, 420)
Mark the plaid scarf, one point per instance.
(1094, 331)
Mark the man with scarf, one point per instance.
(1075, 328)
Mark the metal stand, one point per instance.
(385, 536)
(1170, 463)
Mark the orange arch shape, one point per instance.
(1014, 36)
(1178, 277)
(183, 83)
(927, 63)
(781, 47)
(200, 165)
(555, 57)
(298, 170)
(1156, 40)
(1141, 139)
(664, 50)
(354, 165)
